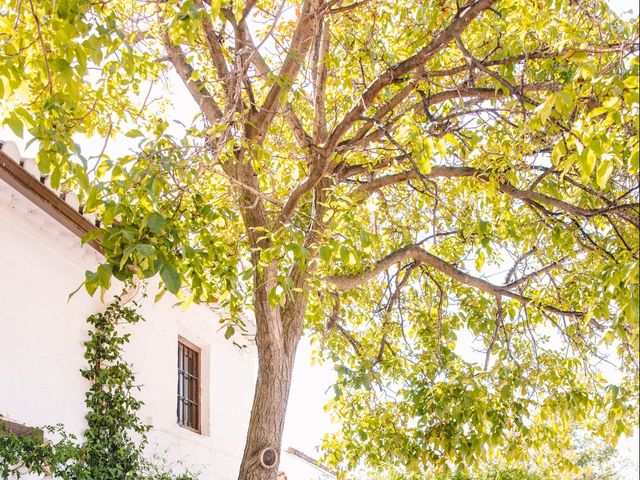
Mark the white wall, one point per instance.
(41, 347)
(296, 468)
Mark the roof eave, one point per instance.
(38, 193)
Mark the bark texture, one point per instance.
(275, 367)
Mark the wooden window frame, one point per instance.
(197, 401)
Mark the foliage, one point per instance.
(115, 438)
(492, 474)
(110, 451)
(445, 195)
(593, 459)
(20, 453)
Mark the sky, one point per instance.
(306, 420)
(624, 6)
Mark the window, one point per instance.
(188, 385)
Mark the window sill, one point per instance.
(189, 429)
(184, 434)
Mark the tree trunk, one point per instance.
(275, 367)
(267, 416)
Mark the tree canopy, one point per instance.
(444, 193)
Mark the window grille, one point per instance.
(188, 386)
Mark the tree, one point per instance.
(389, 174)
(592, 460)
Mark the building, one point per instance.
(296, 465)
(42, 333)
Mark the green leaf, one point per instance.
(479, 261)
(564, 102)
(15, 124)
(104, 275)
(326, 252)
(365, 240)
(587, 162)
(159, 295)
(82, 178)
(126, 253)
(170, 277)
(90, 236)
(229, 331)
(345, 252)
(276, 296)
(299, 252)
(91, 282)
(424, 155)
(146, 250)
(103, 168)
(424, 163)
(215, 6)
(559, 150)
(55, 177)
(74, 292)
(117, 173)
(134, 132)
(155, 222)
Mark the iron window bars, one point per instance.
(188, 410)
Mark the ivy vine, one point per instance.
(112, 418)
(115, 438)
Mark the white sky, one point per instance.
(624, 6)
(306, 420)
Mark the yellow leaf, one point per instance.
(604, 173)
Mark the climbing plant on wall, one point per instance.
(113, 409)
(115, 437)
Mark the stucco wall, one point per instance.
(296, 468)
(41, 347)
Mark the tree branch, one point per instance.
(302, 137)
(402, 177)
(215, 51)
(513, 59)
(414, 252)
(537, 273)
(359, 140)
(319, 72)
(440, 41)
(196, 88)
(346, 8)
(300, 45)
(318, 171)
(506, 188)
(535, 55)
(494, 335)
